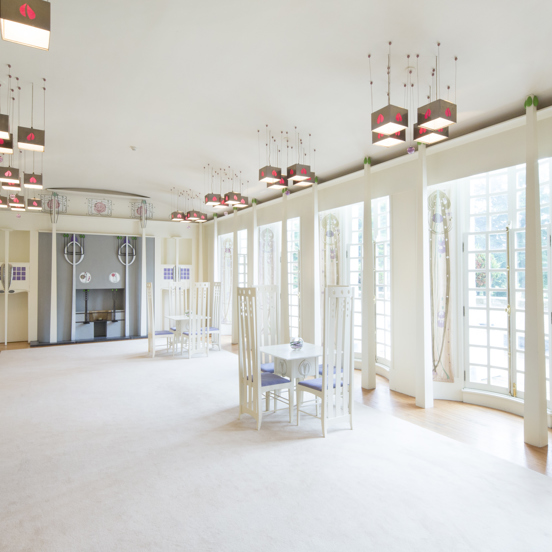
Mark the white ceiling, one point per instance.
(190, 83)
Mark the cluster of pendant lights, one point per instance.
(29, 139)
(390, 123)
(299, 173)
(26, 22)
(222, 200)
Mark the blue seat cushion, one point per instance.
(211, 329)
(268, 367)
(163, 332)
(315, 384)
(271, 379)
(173, 329)
(321, 369)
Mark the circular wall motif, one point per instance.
(114, 277)
(100, 207)
(85, 277)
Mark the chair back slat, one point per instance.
(338, 357)
(151, 316)
(249, 368)
(215, 316)
(199, 317)
(268, 317)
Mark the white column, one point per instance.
(143, 288)
(535, 417)
(368, 299)
(316, 269)
(235, 279)
(200, 256)
(424, 370)
(284, 289)
(255, 259)
(74, 291)
(127, 302)
(33, 289)
(216, 274)
(6, 280)
(53, 290)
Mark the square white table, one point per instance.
(178, 319)
(296, 364)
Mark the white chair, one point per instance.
(152, 333)
(335, 387)
(196, 337)
(253, 383)
(214, 326)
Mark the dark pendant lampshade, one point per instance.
(212, 199)
(6, 145)
(232, 198)
(389, 141)
(202, 217)
(307, 182)
(192, 215)
(244, 202)
(34, 204)
(4, 127)
(26, 22)
(17, 201)
(30, 139)
(222, 204)
(9, 175)
(11, 187)
(437, 114)
(3, 202)
(389, 120)
(298, 172)
(270, 174)
(177, 216)
(278, 184)
(33, 181)
(426, 136)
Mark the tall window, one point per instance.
(495, 299)
(269, 254)
(242, 258)
(294, 289)
(381, 236)
(354, 258)
(226, 245)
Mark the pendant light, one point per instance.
(190, 215)
(232, 198)
(32, 180)
(298, 172)
(3, 202)
(34, 204)
(211, 199)
(29, 138)
(439, 113)
(9, 177)
(6, 145)
(389, 141)
(222, 204)
(309, 180)
(176, 216)
(200, 216)
(269, 173)
(426, 136)
(244, 200)
(5, 119)
(17, 201)
(26, 23)
(390, 119)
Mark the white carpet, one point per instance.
(102, 449)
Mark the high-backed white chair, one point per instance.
(335, 387)
(214, 325)
(196, 337)
(253, 383)
(152, 333)
(268, 323)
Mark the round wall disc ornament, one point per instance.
(85, 277)
(114, 277)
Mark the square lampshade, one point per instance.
(298, 172)
(212, 199)
(33, 181)
(437, 114)
(309, 181)
(17, 201)
(177, 216)
(202, 217)
(26, 22)
(34, 204)
(3, 202)
(4, 126)
(389, 141)
(192, 215)
(426, 136)
(281, 183)
(6, 145)
(244, 202)
(270, 174)
(30, 139)
(222, 204)
(389, 120)
(232, 198)
(10, 175)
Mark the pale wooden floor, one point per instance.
(490, 430)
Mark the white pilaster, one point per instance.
(6, 280)
(74, 291)
(216, 274)
(424, 363)
(33, 287)
(316, 269)
(53, 289)
(143, 288)
(200, 255)
(284, 289)
(235, 278)
(368, 299)
(255, 246)
(535, 417)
